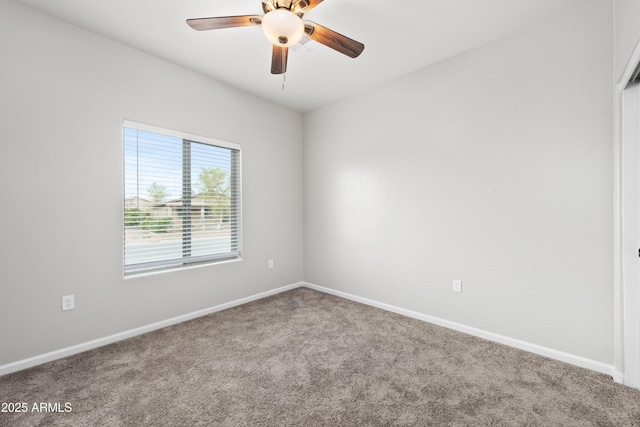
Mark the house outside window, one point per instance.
(181, 199)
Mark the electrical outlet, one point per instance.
(457, 285)
(68, 303)
(270, 263)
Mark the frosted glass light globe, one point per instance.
(282, 28)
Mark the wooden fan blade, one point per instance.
(279, 59)
(219, 22)
(306, 5)
(335, 41)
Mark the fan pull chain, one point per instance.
(284, 79)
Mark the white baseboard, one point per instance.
(618, 376)
(512, 342)
(90, 345)
(533, 348)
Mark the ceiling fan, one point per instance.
(283, 26)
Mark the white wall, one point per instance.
(493, 167)
(627, 32)
(64, 93)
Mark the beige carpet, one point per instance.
(304, 358)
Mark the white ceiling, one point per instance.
(399, 37)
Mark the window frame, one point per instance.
(175, 264)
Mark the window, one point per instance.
(181, 199)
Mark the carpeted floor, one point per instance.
(304, 358)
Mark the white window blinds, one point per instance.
(181, 199)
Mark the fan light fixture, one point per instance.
(282, 27)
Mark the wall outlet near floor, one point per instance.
(457, 285)
(68, 303)
(270, 263)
